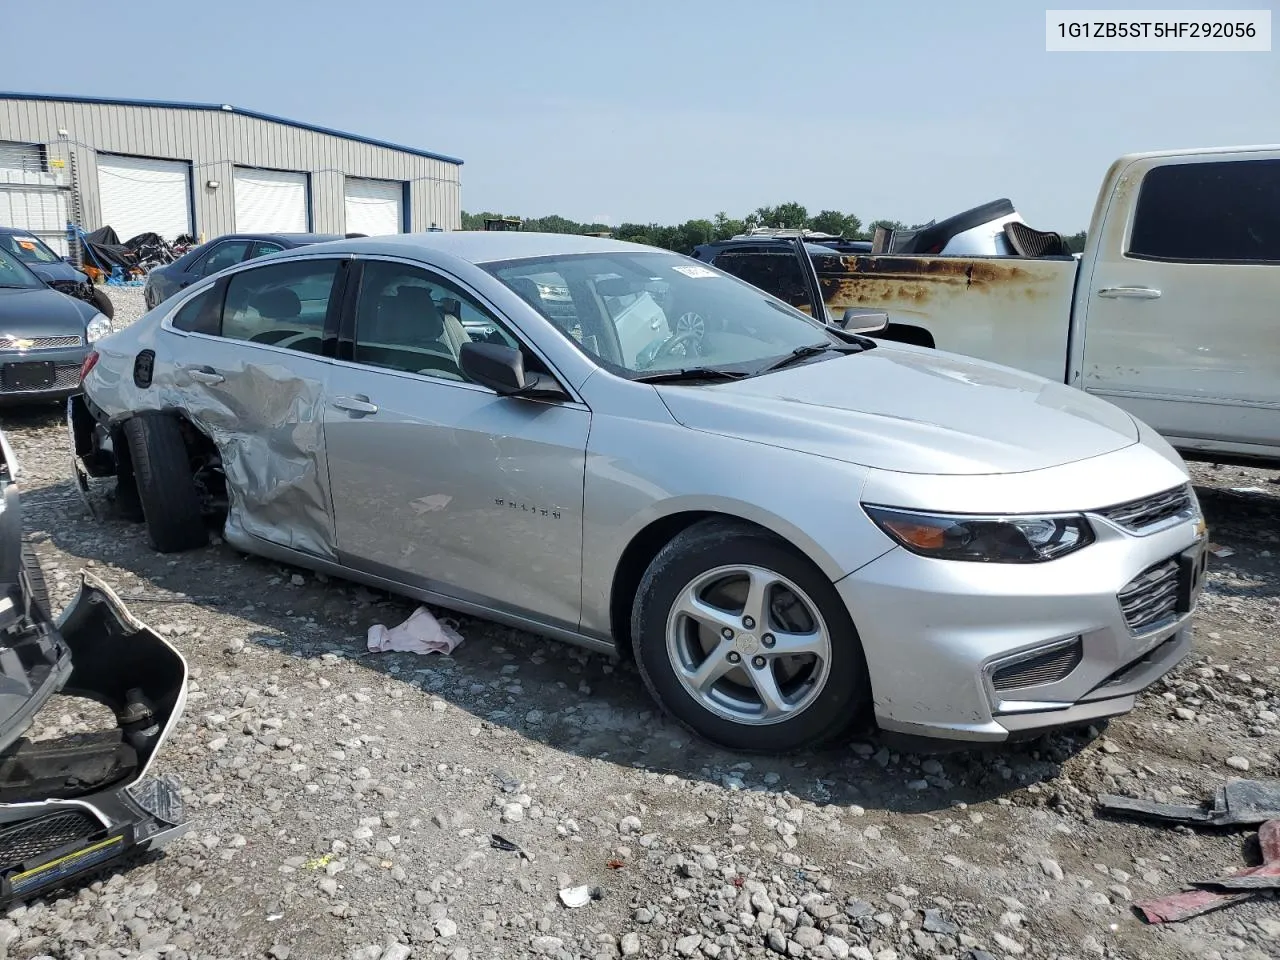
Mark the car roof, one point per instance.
(813, 246)
(488, 246)
(18, 232)
(296, 238)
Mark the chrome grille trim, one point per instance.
(41, 343)
(1140, 515)
(1151, 598)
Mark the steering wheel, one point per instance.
(675, 340)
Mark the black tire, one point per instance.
(844, 701)
(166, 487)
(104, 304)
(37, 588)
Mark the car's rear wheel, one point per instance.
(166, 485)
(744, 641)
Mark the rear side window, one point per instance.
(202, 313)
(1227, 212)
(280, 304)
(261, 248)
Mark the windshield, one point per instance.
(29, 249)
(641, 313)
(14, 273)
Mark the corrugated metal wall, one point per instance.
(215, 141)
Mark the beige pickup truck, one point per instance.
(1172, 311)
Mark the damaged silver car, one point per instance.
(73, 804)
(790, 526)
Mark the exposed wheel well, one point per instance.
(201, 450)
(906, 333)
(635, 561)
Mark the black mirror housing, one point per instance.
(498, 366)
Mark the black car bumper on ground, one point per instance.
(47, 370)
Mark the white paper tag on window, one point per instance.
(697, 273)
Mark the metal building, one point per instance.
(148, 166)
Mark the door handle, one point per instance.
(206, 375)
(1129, 293)
(358, 404)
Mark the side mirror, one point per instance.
(863, 321)
(500, 367)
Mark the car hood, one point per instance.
(50, 272)
(910, 410)
(42, 312)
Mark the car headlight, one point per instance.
(985, 539)
(97, 328)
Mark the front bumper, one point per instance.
(943, 638)
(33, 376)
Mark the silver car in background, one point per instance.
(792, 528)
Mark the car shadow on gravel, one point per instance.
(546, 692)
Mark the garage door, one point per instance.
(270, 201)
(374, 207)
(144, 195)
(31, 197)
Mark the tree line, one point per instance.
(682, 238)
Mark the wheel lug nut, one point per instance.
(758, 662)
(727, 633)
(768, 640)
(748, 622)
(734, 657)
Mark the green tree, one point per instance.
(726, 228)
(840, 224)
(1075, 242)
(792, 215)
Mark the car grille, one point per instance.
(1138, 515)
(1048, 667)
(39, 838)
(39, 343)
(1151, 597)
(66, 376)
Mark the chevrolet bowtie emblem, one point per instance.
(22, 344)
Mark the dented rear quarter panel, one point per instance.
(266, 421)
(1005, 310)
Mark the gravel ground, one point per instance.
(344, 804)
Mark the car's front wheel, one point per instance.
(745, 641)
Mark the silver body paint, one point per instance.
(521, 510)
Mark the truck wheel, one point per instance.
(166, 486)
(104, 304)
(745, 642)
(37, 589)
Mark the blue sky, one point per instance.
(665, 110)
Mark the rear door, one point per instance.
(1180, 325)
(250, 362)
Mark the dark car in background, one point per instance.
(53, 269)
(218, 254)
(44, 335)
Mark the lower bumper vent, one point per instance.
(1049, 667)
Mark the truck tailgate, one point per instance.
(1005, 310)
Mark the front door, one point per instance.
(1181, 325)
(248, 360)
(440, 483)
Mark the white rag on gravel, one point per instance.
(421, 633)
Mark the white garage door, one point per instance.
(374, 207)
(270, 201)
(144, 195)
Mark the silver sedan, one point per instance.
(792, 528)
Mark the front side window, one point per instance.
(640, 312)
(1218, 212)
(280, 304)
(411, 320)
(28, 249)
(222, 256)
